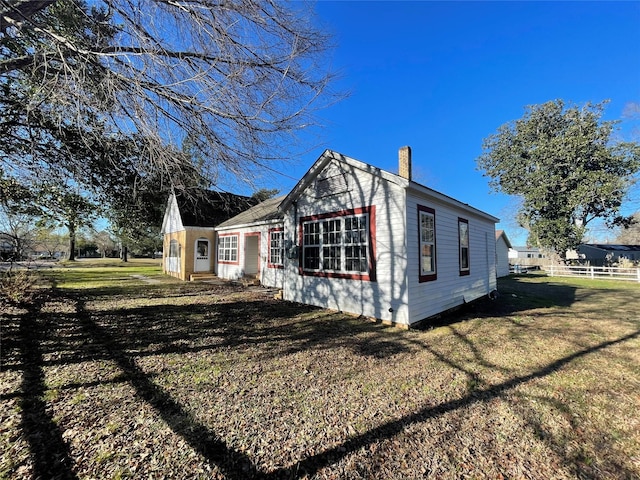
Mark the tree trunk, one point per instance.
(72, 242)
(124, 253)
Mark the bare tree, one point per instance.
(17, 218)
(105, 242)
(51, 240)
(236, 78)
(17, 229)
(630, 235)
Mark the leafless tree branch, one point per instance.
(238, 78)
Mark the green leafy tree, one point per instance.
(265, 194)
(63, 207)
(135, 202)
(563, 164)
(47, 205)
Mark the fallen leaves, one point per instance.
(224, 383)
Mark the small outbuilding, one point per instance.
(502, 253)
(527, 256)
(188, 229)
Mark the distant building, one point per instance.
(606, 254)
(7, 247)
(527, 256)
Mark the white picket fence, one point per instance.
(609, 273)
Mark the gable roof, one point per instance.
(319, 165)
(208, 208)
(263, 212)
(500, 233)
(329, 155)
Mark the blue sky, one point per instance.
(442, 76)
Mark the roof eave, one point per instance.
(258, 223)
(326, 157)
(447, 199)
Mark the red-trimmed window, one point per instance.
(276, 248)
(228, 248)
(339, 244)
(463, 244)
(427, 243)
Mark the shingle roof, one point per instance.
(615, 247)
(208, 208)
(263, 212)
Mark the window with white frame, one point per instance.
(463, 242)
(339, 244)
(276, 248)
(427, 243)
(228, 249)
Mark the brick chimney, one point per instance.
(404, 160)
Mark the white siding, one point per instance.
(268, 276)
(450, 289)
(172, 221)
(386, 298)
(502, 257)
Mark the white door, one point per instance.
(202, 251)
(251, 254)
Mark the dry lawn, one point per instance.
(139, 380)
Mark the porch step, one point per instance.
(203, 277)
(249, 280)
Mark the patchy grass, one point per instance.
(113, 377)
(105, 272)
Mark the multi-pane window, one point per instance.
(463, 241)
(355, 239)
(427, 233)
(311, 246)
(173, 260)
(331, 244)
(276, 248)
(228, 248)
(338, 244)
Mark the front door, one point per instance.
(252, 255)
(202, 252)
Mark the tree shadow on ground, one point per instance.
(124, 335)
(50, 453)
(312, 464)
(515, 294)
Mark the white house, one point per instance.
(527, 256)
(251, 245)
(502, 253)
(358, 239)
